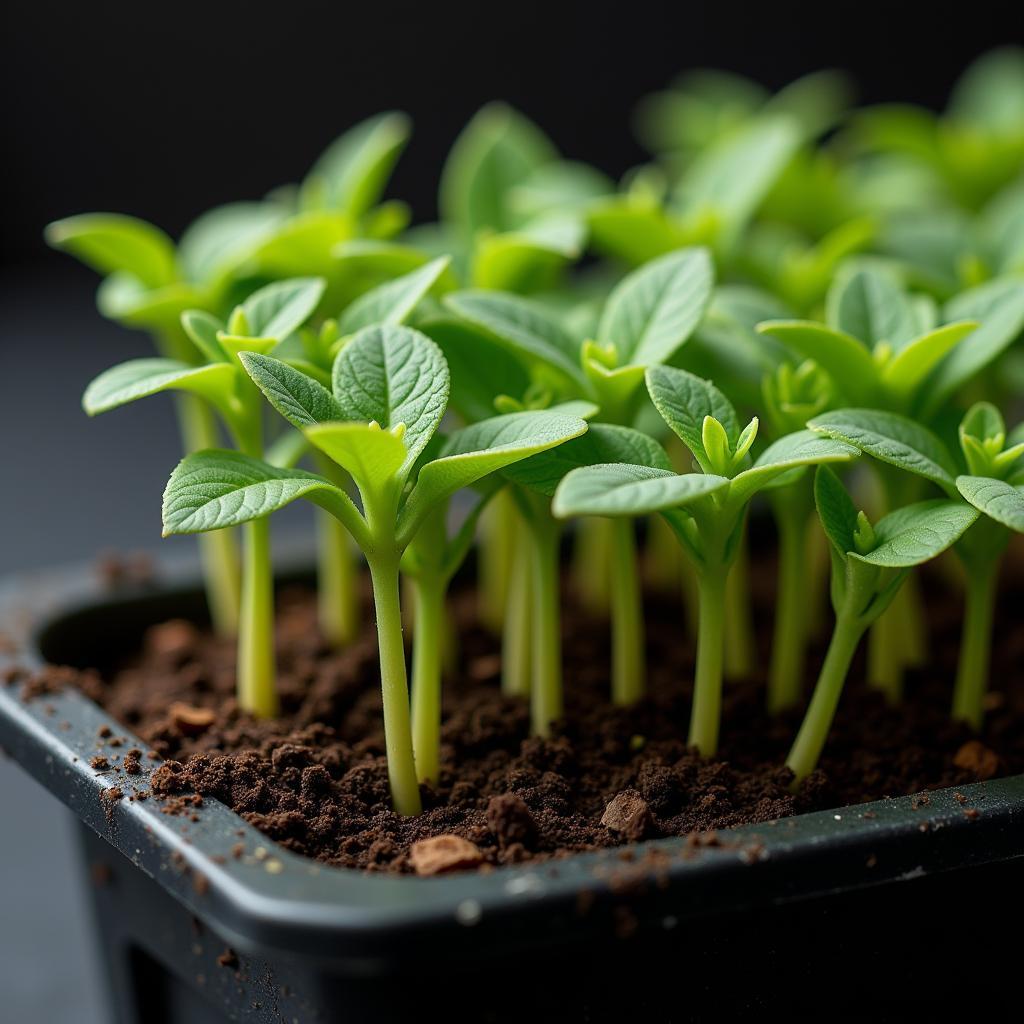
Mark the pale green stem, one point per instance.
(337, 596)
(257, 691)
(739, 628)
(591, 565)
(394, 685)
(426, 677)
(218, 550)
(898, 638)
(499, 524)
(810, 740)
(707, 690)
(337, 578)
(887, 653)
(976, 643)
(516, 646)
(789, 641)
(628, 669)
(546, 691)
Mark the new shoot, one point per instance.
(706, 509)
(869, 565)
(388, 395)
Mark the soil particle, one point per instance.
(439, 854)
(315, 779)
(510, 820)
(978, 759)
(628, 814)
(189, 720)
(99, 763)
(228, 959)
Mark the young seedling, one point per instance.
(313, 352)
(869, 565)
(879, 348)
(648, 317)
(712, 203)
(149, 282)
(263, 322)
(389, 393)
(995, 473)
(706, 509)
(791, 396)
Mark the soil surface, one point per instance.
(315, 780)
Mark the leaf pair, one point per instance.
(697, 412)
(389, 393)
(877, 346)
(909, 446)
(648, 316)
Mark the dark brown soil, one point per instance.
(315, 780)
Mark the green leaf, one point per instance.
(634, 229)
(625, 490)
(283, 307)
(653, 310)
(983, 421)
(139, 378)
(393, 301)
(529, 259)
(683, 400)
(840, 355)
(904, 373)
(481, 449)
(917, 533)
(111, 242)
(893, 439)
(214, 489)
(836, 511)
(480, 369)
(990, 93)
(730, 178)
(999, 500)
(393, 375)
(301, 400)
(602, 443)
(223, 238)
(352, 172)
(802, 448)
(999, 305)
(496, 151)
(870, 307)
(523, 327)
(203, 331)
(371, 454)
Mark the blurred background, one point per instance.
(162, 111)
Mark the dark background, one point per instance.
(161, 110)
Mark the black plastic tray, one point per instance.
(772, 918)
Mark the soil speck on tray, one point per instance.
(315, 780)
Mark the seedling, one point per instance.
(648, 316)
(992, 484)
(313, 352)
(537, 480)
(869, 565)
(149, 282)
(263, 322)
(880, 348)
(389, 393)
(706, 509)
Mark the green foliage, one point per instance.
(854, 276)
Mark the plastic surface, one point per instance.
(328, 926)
